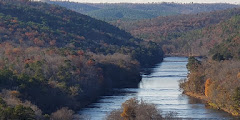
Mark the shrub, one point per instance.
(62, 114)
(134, 109)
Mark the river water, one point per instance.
(161, 88)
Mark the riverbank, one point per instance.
(216, 80)
(159, 87)
(208, 103)
(198, 96)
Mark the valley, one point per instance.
(59, 57)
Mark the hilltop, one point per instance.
(111, 12)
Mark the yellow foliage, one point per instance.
(238, 75)
(213, 105)
(129, 109)
(128, 113)
(125, 112)
(15, 93)
(207, 84)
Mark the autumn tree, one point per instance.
(207, 84)
(62, 114)
(134, 109)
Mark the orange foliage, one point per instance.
(125, 113)
(14, 21)
(207, 84)
(38, 42)
(90, 62)
(238, 75)
(15, 93)
(16, 50)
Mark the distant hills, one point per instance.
(129, 11)
(177, 27)
(183, 34)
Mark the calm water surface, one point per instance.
(161, 88)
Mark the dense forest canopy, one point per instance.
(217, 76)
(179, 33)
(53, 58)
(188, 30)
(184, 34)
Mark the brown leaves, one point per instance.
(90, 62)
(134, 109)
(52, 42)
(38, 42)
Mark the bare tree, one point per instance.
(62, 114)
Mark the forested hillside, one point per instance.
(218, 77)
(214, 35)
(129, 11)
(53, 58)
(184, 34)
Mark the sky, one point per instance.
(150, 1)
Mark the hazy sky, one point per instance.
(146, 1)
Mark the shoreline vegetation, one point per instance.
(215, 82)
(134, 109)
(198, 96)
(54, 61)
(217, 76)
(208, 103)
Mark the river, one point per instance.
(161, 88)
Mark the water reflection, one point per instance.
(160, 86)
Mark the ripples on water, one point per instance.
(161, 88)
